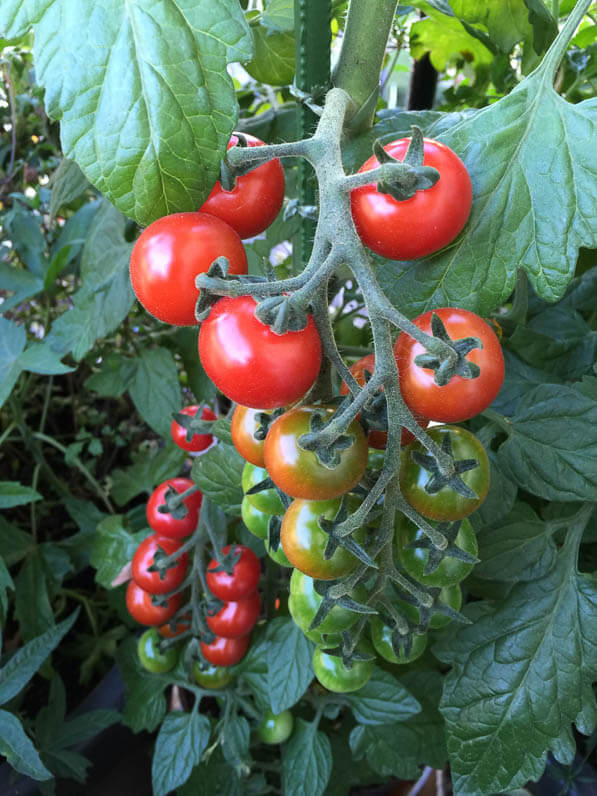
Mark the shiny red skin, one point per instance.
(243, 580)
(169, 254)
(460, 399)
(166, 524)
(198, 442)
(423, 224)
(252, 365)
(144, 558)
(255, 201)
(298, 472)
(236, 619)
(140, 607)
(225, 651)
(376, 438)
(242, 429)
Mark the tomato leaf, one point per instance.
(217, 473)
(274, 57)
(507, 25)
(155, 389)
(552, 448)
(382, 700)
(112, 548)
(235, 741)
(289, 664)
(182, 739)
(214, 777)
(151, 466)
(536, 650)
(18, 749)
(68, 182)
(145, 703)
(145, 103)
(14, 494)
(307, 761)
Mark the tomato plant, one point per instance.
(429, 493)
(174, 525)
(157, 582)
(151, 656)
(276, 727)
(256, 199)
(211, 676)
(225, 651)
(461, 398)
(170, 253)
(428, 221)
(149, 609)
(241, 581)
(197, 442)
(450, 596)
(298, 472)
(251, 364)
(304, 602)
(237, 618)
(381, 636)
(334, 675)
(244, 424)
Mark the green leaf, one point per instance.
(18, 749)
(519, 547)
(14, 543)
(289, 663)
(67, 183)
(145, 104)
(217, 473)
(274, 57)
(538, 659)
(38, 358)
(279, 16)
(115, 375)
(382, 700)
(500, 498)
(552, 448)
(506, 24)
(519, 379)
(235, 740)
(32, 600)
(151, 466)
(185, 341)
(145, 703)
(253, 669)
(182, 739)
(445, 39)
(22, 283)
(155, 390)
(307, 761)
(26, 661)
(12, 342)
(213, 777)
(6, 583)
(113, 547)
(12, 493)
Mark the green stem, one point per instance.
(499, 420)
(558, 48)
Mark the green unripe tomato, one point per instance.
(450, 570)
(304, 603)
(151, 656)
(381, 636)
(255, 520)
(279, 556)
(276, 727)
(335, 676)
(449, 595)
(268, 500)
(212, 677)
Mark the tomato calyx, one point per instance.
(438, 478)
(195, 423)
(327, 452)
(326, 591)
(226, 561)
(409, 175)
(174, 502)
(337, 539)
(445, 367)
(282, 314)
(450, 531)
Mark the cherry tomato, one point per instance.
(144, 559)
(169, 254)
(450, 570)
(449, 595)
(251, 364)
(173, 629)
(304, 603)
(419, 486)
(255, 201)
(237, 618)
(198, 442)
(335, 676)
(242, 430)
(299, 472)
(377, 438)
(211, 677)
(149, 609)
(167, 524)
(460, 398)
(381, 636)
(243, 580)
(267, 500)
(225, 651)
(279, 556)
(256, 521)
(152, 657)
(304, 541)
(428, 221)
(276, 727)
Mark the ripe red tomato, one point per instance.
(243, 580)
(251, 364)
(148, 609)
(167, 524)
(428, 221)
(460, 398)
(144, 559)
(376, 438)
(237, 618)
(242, 430)
(170, 253)
(225, 651)
(198, 442)
(299, 472)
(256, 199)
